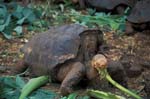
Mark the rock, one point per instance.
(134, 71)
(117, 72)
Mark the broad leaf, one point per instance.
(2, 27)
(18, 30)
(28, 14)
(18, 12)
(43, 94)
(20, 82)
(20, 21)
(7, 20)
(7, 34)
(3, 10)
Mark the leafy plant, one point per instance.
(32, 85)
(75, 96)
(114, 22)
(104, 95)
(99, 62)
(11, 87)
(15, 87)
(62, 14)
(12, 17)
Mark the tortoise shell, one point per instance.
(53, 47)
(109, 4)
(140, 13)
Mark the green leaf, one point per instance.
(20, 82)
(43, 94)
(2, 21)
(38, 12)
(18, 30)
(8, 81)
(33, 84)
(28, 14)
(91, 11)
(84, 97)
(3, 10)
(18, 12)
(7, 34)
(1, 1)
(6, 23)
(20, 22)
(2, 27)
(31, 18)
(7, 20)
(10, 88)
(104, 95)
(19, 9)
(72, 96)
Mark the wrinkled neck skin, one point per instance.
(89, 45)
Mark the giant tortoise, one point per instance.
(139, 18)
(117, 6)
(64, 53)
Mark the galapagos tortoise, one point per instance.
(139, 18)
(117, 6)
(64, 53)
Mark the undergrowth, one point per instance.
(39, 17)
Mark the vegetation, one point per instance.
(13, 19)
(15, 88)
(32, 85)
(39, 17)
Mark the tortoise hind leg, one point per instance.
(72, 78)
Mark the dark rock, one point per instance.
(132, 65)
(117, 72)
(134, 71)
(108, 5)
(139, 18)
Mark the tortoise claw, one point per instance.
(65, 90)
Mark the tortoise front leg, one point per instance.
(72, 78)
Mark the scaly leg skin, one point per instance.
(72, 78)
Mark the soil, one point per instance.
(131, 51)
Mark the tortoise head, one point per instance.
(91, 40)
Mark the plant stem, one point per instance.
(108, 77)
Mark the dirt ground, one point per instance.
(133, 51)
